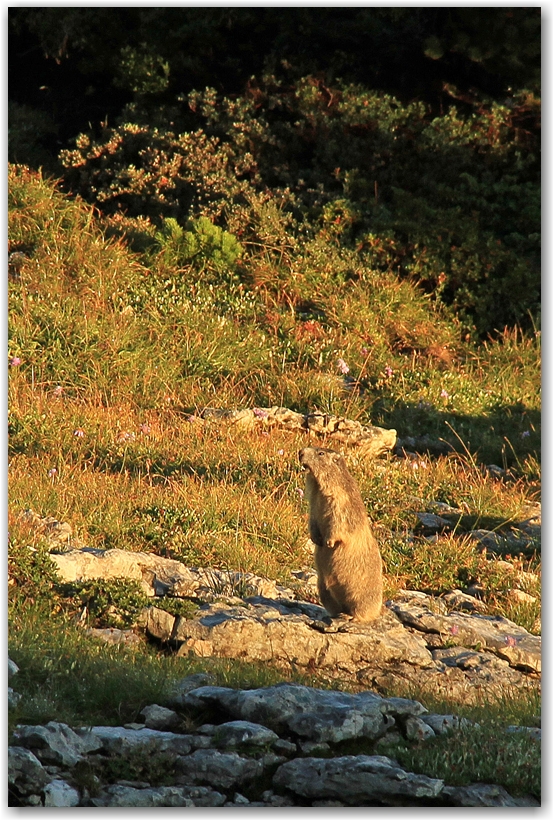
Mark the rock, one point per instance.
(240, 800)
(521, 597)
(116, 740)
(158, 623)
(268, 634)
(113, 635)
(493, 633)
(433, 523)
(310, 714)
(417, 729)
(57, 743)
(58, 793)
(285, 747)
(458, 600)
(442, 724)
(529, 730)
(187, 684)
(205, 797)
(314, 748)
(354, 780)
(25, 772)
(482, 794)
(243, 733)
(159, 717)
(13, 698)
(13, 669)
(219, 769)
(126, 796)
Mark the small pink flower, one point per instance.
(191, 418)
(364, 351)
(280, 452)
(525, 434)
(388, 371)
(145, 428)
(125, 436)
(300, 492)
(260, 413)
(342, 367)
(52, 472)
(57, 391)
(454, 629)
(79, 433)
(510, 640)
(444, 394)
(15, 362)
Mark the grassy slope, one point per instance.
(117, 352)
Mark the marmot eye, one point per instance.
(321, 452)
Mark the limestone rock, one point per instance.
(117, 740)
(218, 769)
(243, 733)
(126, 796)
(56, 743)
(482, 794)
(458, 600)
(354, 780)
(13, 669)
(159, 717)
(442, 724)
(25, 772)
(13, 698)
(58, 794)
(308, 713)
(493, 633)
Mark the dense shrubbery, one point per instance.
(450, 201)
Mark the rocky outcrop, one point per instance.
(287, 736)
(369, 441)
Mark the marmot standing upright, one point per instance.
(347, 558)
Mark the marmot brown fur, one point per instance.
(347, 558)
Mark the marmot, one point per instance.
(347, 558)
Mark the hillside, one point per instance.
(114, 354)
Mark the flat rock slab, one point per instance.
(492, 633)
(355, 780)
(56, 742)
(312, 714)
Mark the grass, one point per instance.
(113, 353)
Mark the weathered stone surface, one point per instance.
(113, 635)
(56, 742)
(158, 623)
(243, 733)
(493, 633)
(369, 440)
(267, 633)
(460, 601)
(59, 794)
(25, 771)
(311, 714)
(129, 797)
(482, 794)
(417, 729)
(441, 724)
(159, 717)
(218, 769)
(13, 698)
(187, 684)
(116, 740)
(433, 523)
(354, 780)
(13, 669)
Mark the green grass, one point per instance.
(117, 353)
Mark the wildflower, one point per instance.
(342, 367)
(281, 452)
(510, 640)
(444, 394)
(525, 434)
(388, 371)
(364, 351)
(52, 472)
(79, 433)
(191, 418)
(124, 436)
(15, 362)
(145, 428)
(260, 413)
(300, 492)
(57, 391)
(454, 629)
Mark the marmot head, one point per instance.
(321, 462)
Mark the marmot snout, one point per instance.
(347, 558)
